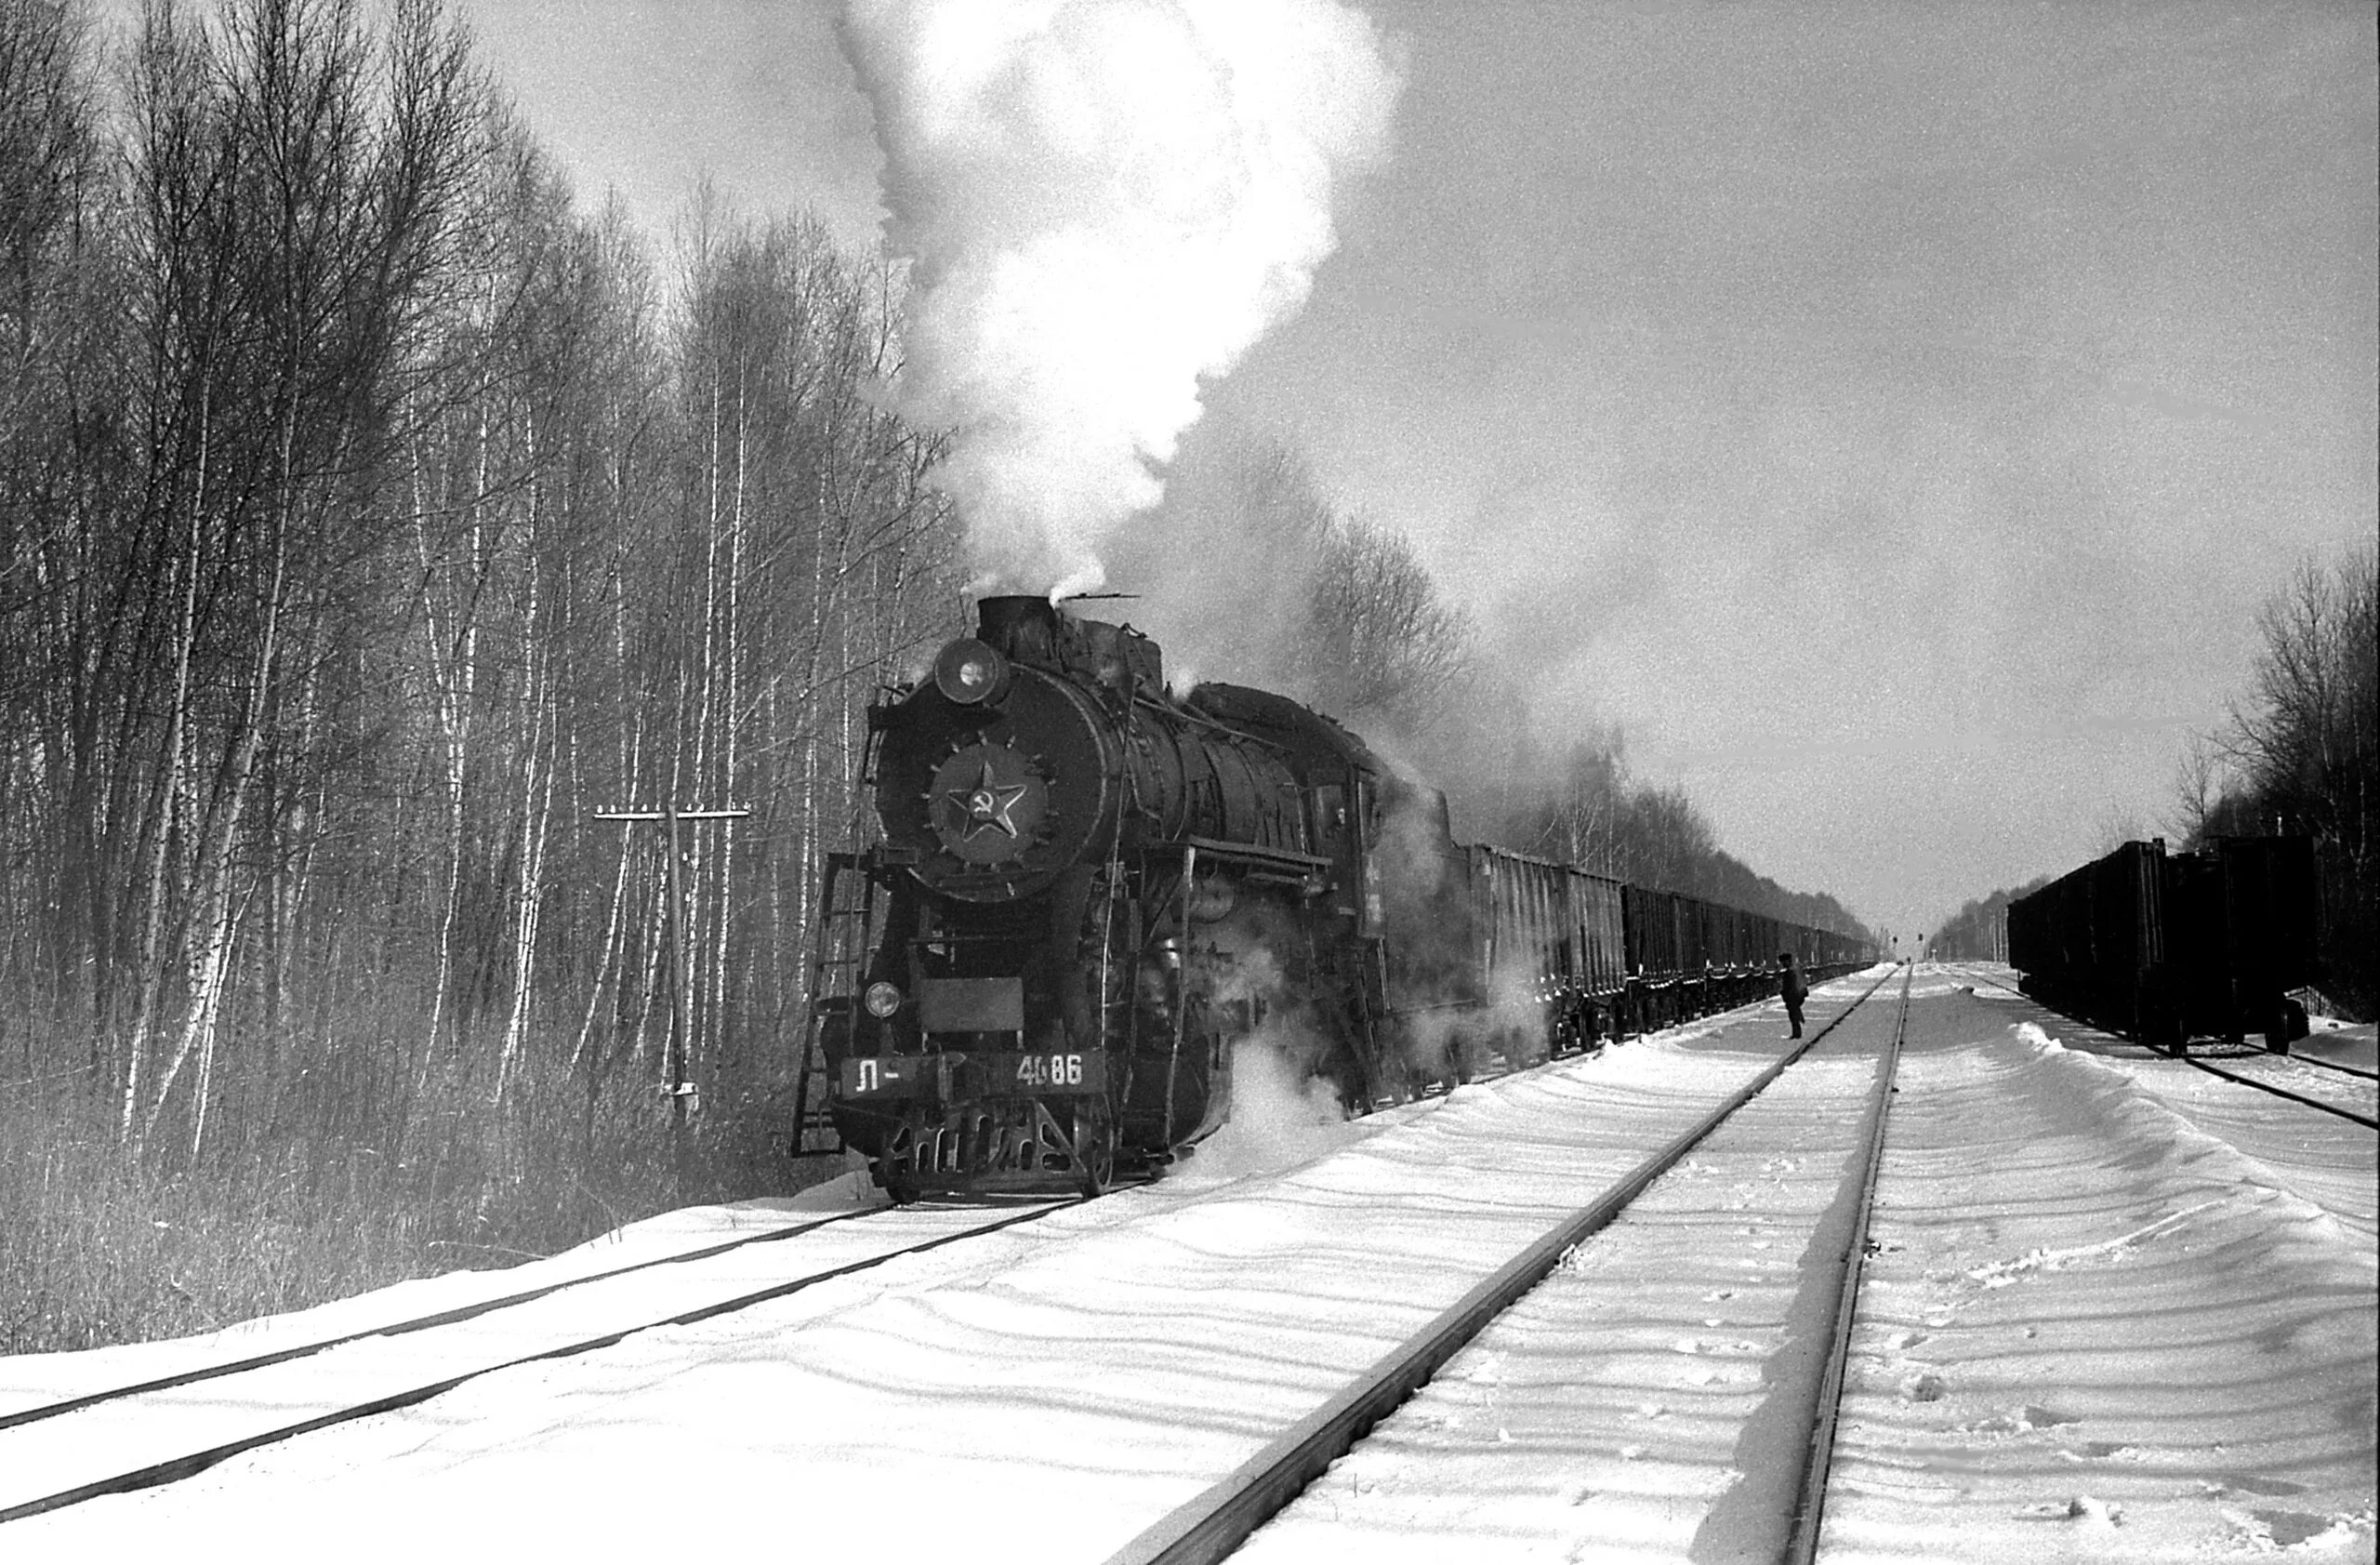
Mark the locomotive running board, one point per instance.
(1289, 863)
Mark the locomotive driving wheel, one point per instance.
(1094, 1149)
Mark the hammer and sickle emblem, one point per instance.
(989, 803)
(988, 806)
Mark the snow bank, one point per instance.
(29, 1380)
(2091, 1330)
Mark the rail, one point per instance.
(2276, 1090)
(2295, 1059)
(400, 1328)
(1220, 1518)
(184, 1465)
(1809, 1514)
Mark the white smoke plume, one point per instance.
(1105, 202)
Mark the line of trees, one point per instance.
(1253, 572)
(1978, 931)
(368, 513)
(1589, 811)
(2298, 754)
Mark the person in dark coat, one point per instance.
(1794, 991)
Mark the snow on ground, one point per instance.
(29, 1380)
(2328, 1161)
(2352, 1043)
(2111, 1320)
(2093, 1332)
(1642, 1404)
(1045, 1393)
(52, 1456)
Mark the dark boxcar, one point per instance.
(2241, 934)
(1552, 943)
(1602, 971)
(2093, 941)
(2165, 948)
(1650, 919)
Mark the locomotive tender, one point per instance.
(2163, 947)
(1088, 892)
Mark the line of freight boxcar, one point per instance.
(1607, 958)
(2164, 948)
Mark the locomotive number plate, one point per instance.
(1041, 1073)
(969, 1075)
(888, 1075)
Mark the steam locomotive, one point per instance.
(1089, 892)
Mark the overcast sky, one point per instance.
(1889, 414)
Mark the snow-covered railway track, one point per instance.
(2116, 1311)
(2301, 1081)
(2260, 1077)
(2108, 1308)
(399, 1325)
(2085, 1327)
(1219, 1520)
(170, 1426)
(2333, 1066)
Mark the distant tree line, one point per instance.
(1978, 931)
(2300, 755)
(1252, 573)
(1589, 812)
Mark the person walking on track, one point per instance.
(1792, 989)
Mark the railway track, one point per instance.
(2331, 1065)
(1219, 1520)
(1153, 1378)
(157, 1430)
(399, 1327)
(161, 1428)
(170, 1428)
(2261, 1082)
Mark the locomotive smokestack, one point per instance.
(1031, 630)
(1022, 628)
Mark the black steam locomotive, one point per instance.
(1088, 892)
(2164, 948)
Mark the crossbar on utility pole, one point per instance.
(674, 1086)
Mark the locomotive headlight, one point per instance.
(970, 674)
(882, 999)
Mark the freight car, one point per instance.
(2164, 948)
(1089, 892)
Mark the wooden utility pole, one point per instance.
(674, 1086)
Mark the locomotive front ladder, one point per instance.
(843, 936)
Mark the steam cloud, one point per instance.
(1104, 202)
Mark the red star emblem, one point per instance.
(987, 804)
